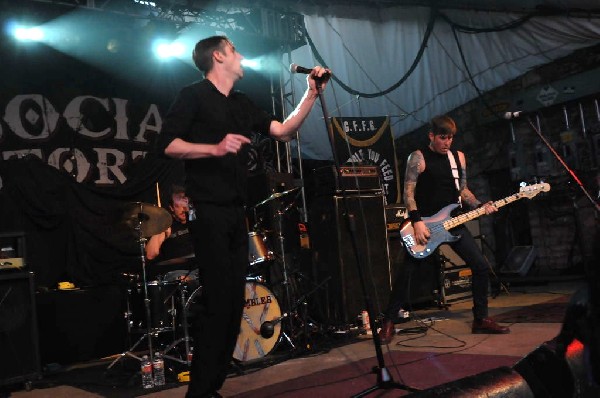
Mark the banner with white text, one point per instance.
(368, 141)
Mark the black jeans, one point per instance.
(221, 245)
(468, 250)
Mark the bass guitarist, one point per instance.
(436, 177)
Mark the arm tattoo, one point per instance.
(468, 198)
(415, 166)
(466, 195)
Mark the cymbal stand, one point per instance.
(185, 302)
(286, 281)
(142, 241)
(307, 320)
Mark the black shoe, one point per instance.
(488, 326)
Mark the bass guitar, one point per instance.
(441, 222)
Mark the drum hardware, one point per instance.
(281, 254)
(256, 278)
(277, 195)
(305, 319)
(257, 248)
(179, 260)
(146, 220)
(185, 301)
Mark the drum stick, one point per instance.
(158, 196)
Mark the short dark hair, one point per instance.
(202, 54)
(175, 189)
(443, 124)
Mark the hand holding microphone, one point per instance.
(319, 74)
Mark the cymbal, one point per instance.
(151, 219)
(277, 195)
(177, 260)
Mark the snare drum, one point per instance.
(162, 295)
(258, 251)
(180, 275)
(261, 306)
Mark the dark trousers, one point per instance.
(468, 250)
(221, 245)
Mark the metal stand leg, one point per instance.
(286, 281)
(141, 217)
(128, 353)
(186, 339)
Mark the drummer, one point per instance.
(171, 252)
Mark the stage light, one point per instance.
(145, 3)
(28, 33)
(165, 50)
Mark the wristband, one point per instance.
(414, 216)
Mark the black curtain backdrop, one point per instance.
(75, 232)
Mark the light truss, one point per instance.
(283, 27)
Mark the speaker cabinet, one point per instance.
(519, 261)
(334, 261)
(424, 280)
(18, 329)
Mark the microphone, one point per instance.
(511, 115)
(267, 329)
(300, 69)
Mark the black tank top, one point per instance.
(436, 187)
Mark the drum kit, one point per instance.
(154, 307)
(161, 305)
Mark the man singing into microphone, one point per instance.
(209, 125)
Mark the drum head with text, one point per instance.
(261, 306)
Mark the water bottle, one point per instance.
(147, 381)
(158, 365)
(190, 355)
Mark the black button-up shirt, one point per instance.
(202, 114)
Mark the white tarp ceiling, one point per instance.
(371, 56)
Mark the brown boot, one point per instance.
(488, 326)
(387, 332)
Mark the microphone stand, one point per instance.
(567, 168)
(384, 378)
(591, 318)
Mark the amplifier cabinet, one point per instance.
(395, 215)
(457, 284)
(18, 329)
(357, 180)
(334, 260)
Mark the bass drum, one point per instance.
(261, 306)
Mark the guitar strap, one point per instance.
(455, 174)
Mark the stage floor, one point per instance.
(435, 347)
